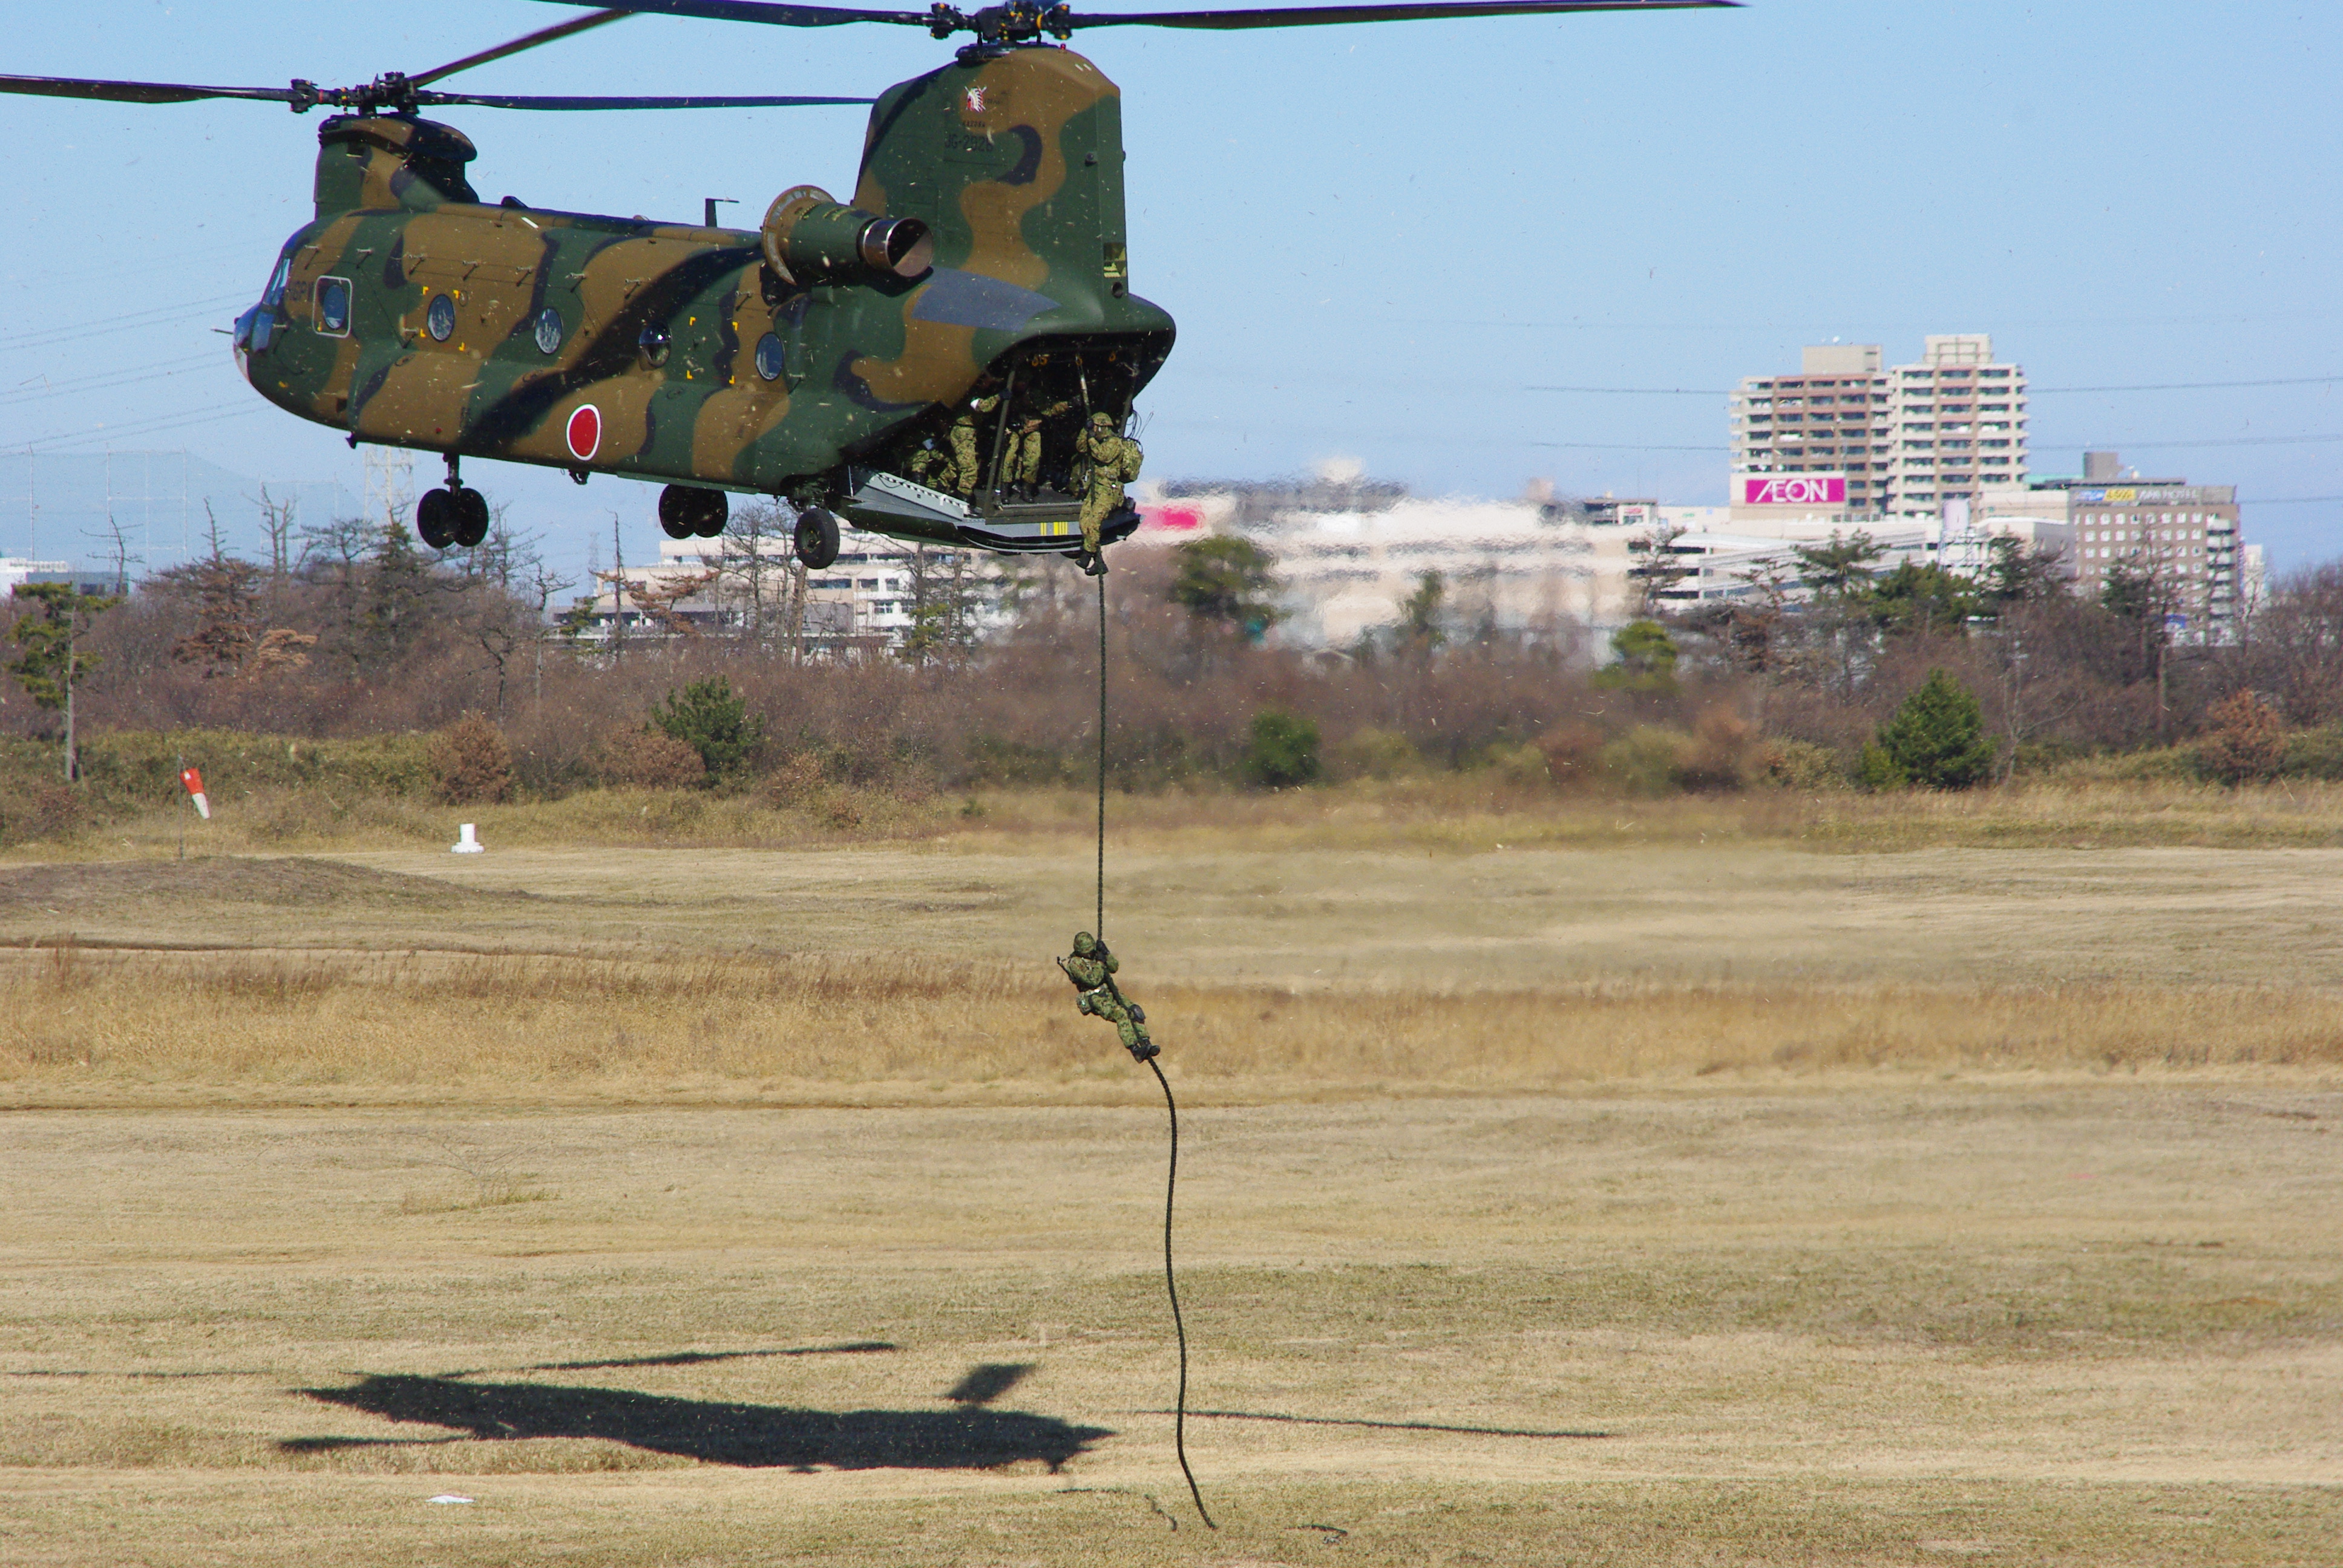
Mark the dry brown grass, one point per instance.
(1448, 812)
(1891, 1325)
(78, 1024)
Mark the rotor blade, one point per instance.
(765, 11)
(134, 92)
(527, 41)
(1337, 15)
(507, 101)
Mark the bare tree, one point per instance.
(117, 551)
(747, 564)
(277, 523)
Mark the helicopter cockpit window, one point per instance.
(655, 343)
(439, 319)
(333, 318)
(548, 329)
(274, 297)
(771, 358)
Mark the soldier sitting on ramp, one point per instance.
(1093, 968)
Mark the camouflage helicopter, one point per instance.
(901, 360)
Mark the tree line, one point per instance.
(1807, 679)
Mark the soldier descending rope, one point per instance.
(1110, 460)
(1092, 969)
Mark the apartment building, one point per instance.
(1957, 422)
(1834, 417)
(1907, 440)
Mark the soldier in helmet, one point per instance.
(1022, 466)
(1092, 969)
(1110, 460)
(962, 437)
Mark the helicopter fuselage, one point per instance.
(409, 312)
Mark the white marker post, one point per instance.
(467, 843)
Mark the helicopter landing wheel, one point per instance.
(816, 539)
(684, 510)
(471, 517)
(435, 519)
(714, 513)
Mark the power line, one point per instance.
(1619, 447)
(1637, 391)
(149, 426)
(2198, 386)
(159, 316)
(2232, 441)
(210, 359)
(2144, 386)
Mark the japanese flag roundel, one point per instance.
(585, 431)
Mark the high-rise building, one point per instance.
(1906, 440)
(1957, 421)
(1831, 418)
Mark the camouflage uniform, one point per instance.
(963, 437)
(932, 467)
(1024, 455)
(1092, 969)
(1110, 461)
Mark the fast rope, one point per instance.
(1170, 1107)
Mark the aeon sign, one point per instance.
(1791, 489)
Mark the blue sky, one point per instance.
(1380, 242)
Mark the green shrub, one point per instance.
(713, 719)
(1646, 659)
(1522, 764)
(992, 760)
(1936, 741)
(1282, 752)
(144, 764)
(1803, 765)
(2315, 753)
(1377, 754)
(1646, 759)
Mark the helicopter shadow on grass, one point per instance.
(967, 1438)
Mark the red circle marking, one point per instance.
(585, 431)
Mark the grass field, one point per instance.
(1651, 1201)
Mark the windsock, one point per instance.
(195, 783)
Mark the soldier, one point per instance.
(1110, 461)
(932, 467)
(1092, 969)
(962, 437)
(1024, 465)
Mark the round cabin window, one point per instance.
(439, 319)
(655, 343)
(771, 358)
(333, 305)
(548, 330)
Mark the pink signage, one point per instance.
(1791, 490)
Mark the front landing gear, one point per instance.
(453, 515)
(816, 540)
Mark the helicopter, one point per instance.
(977, 282)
